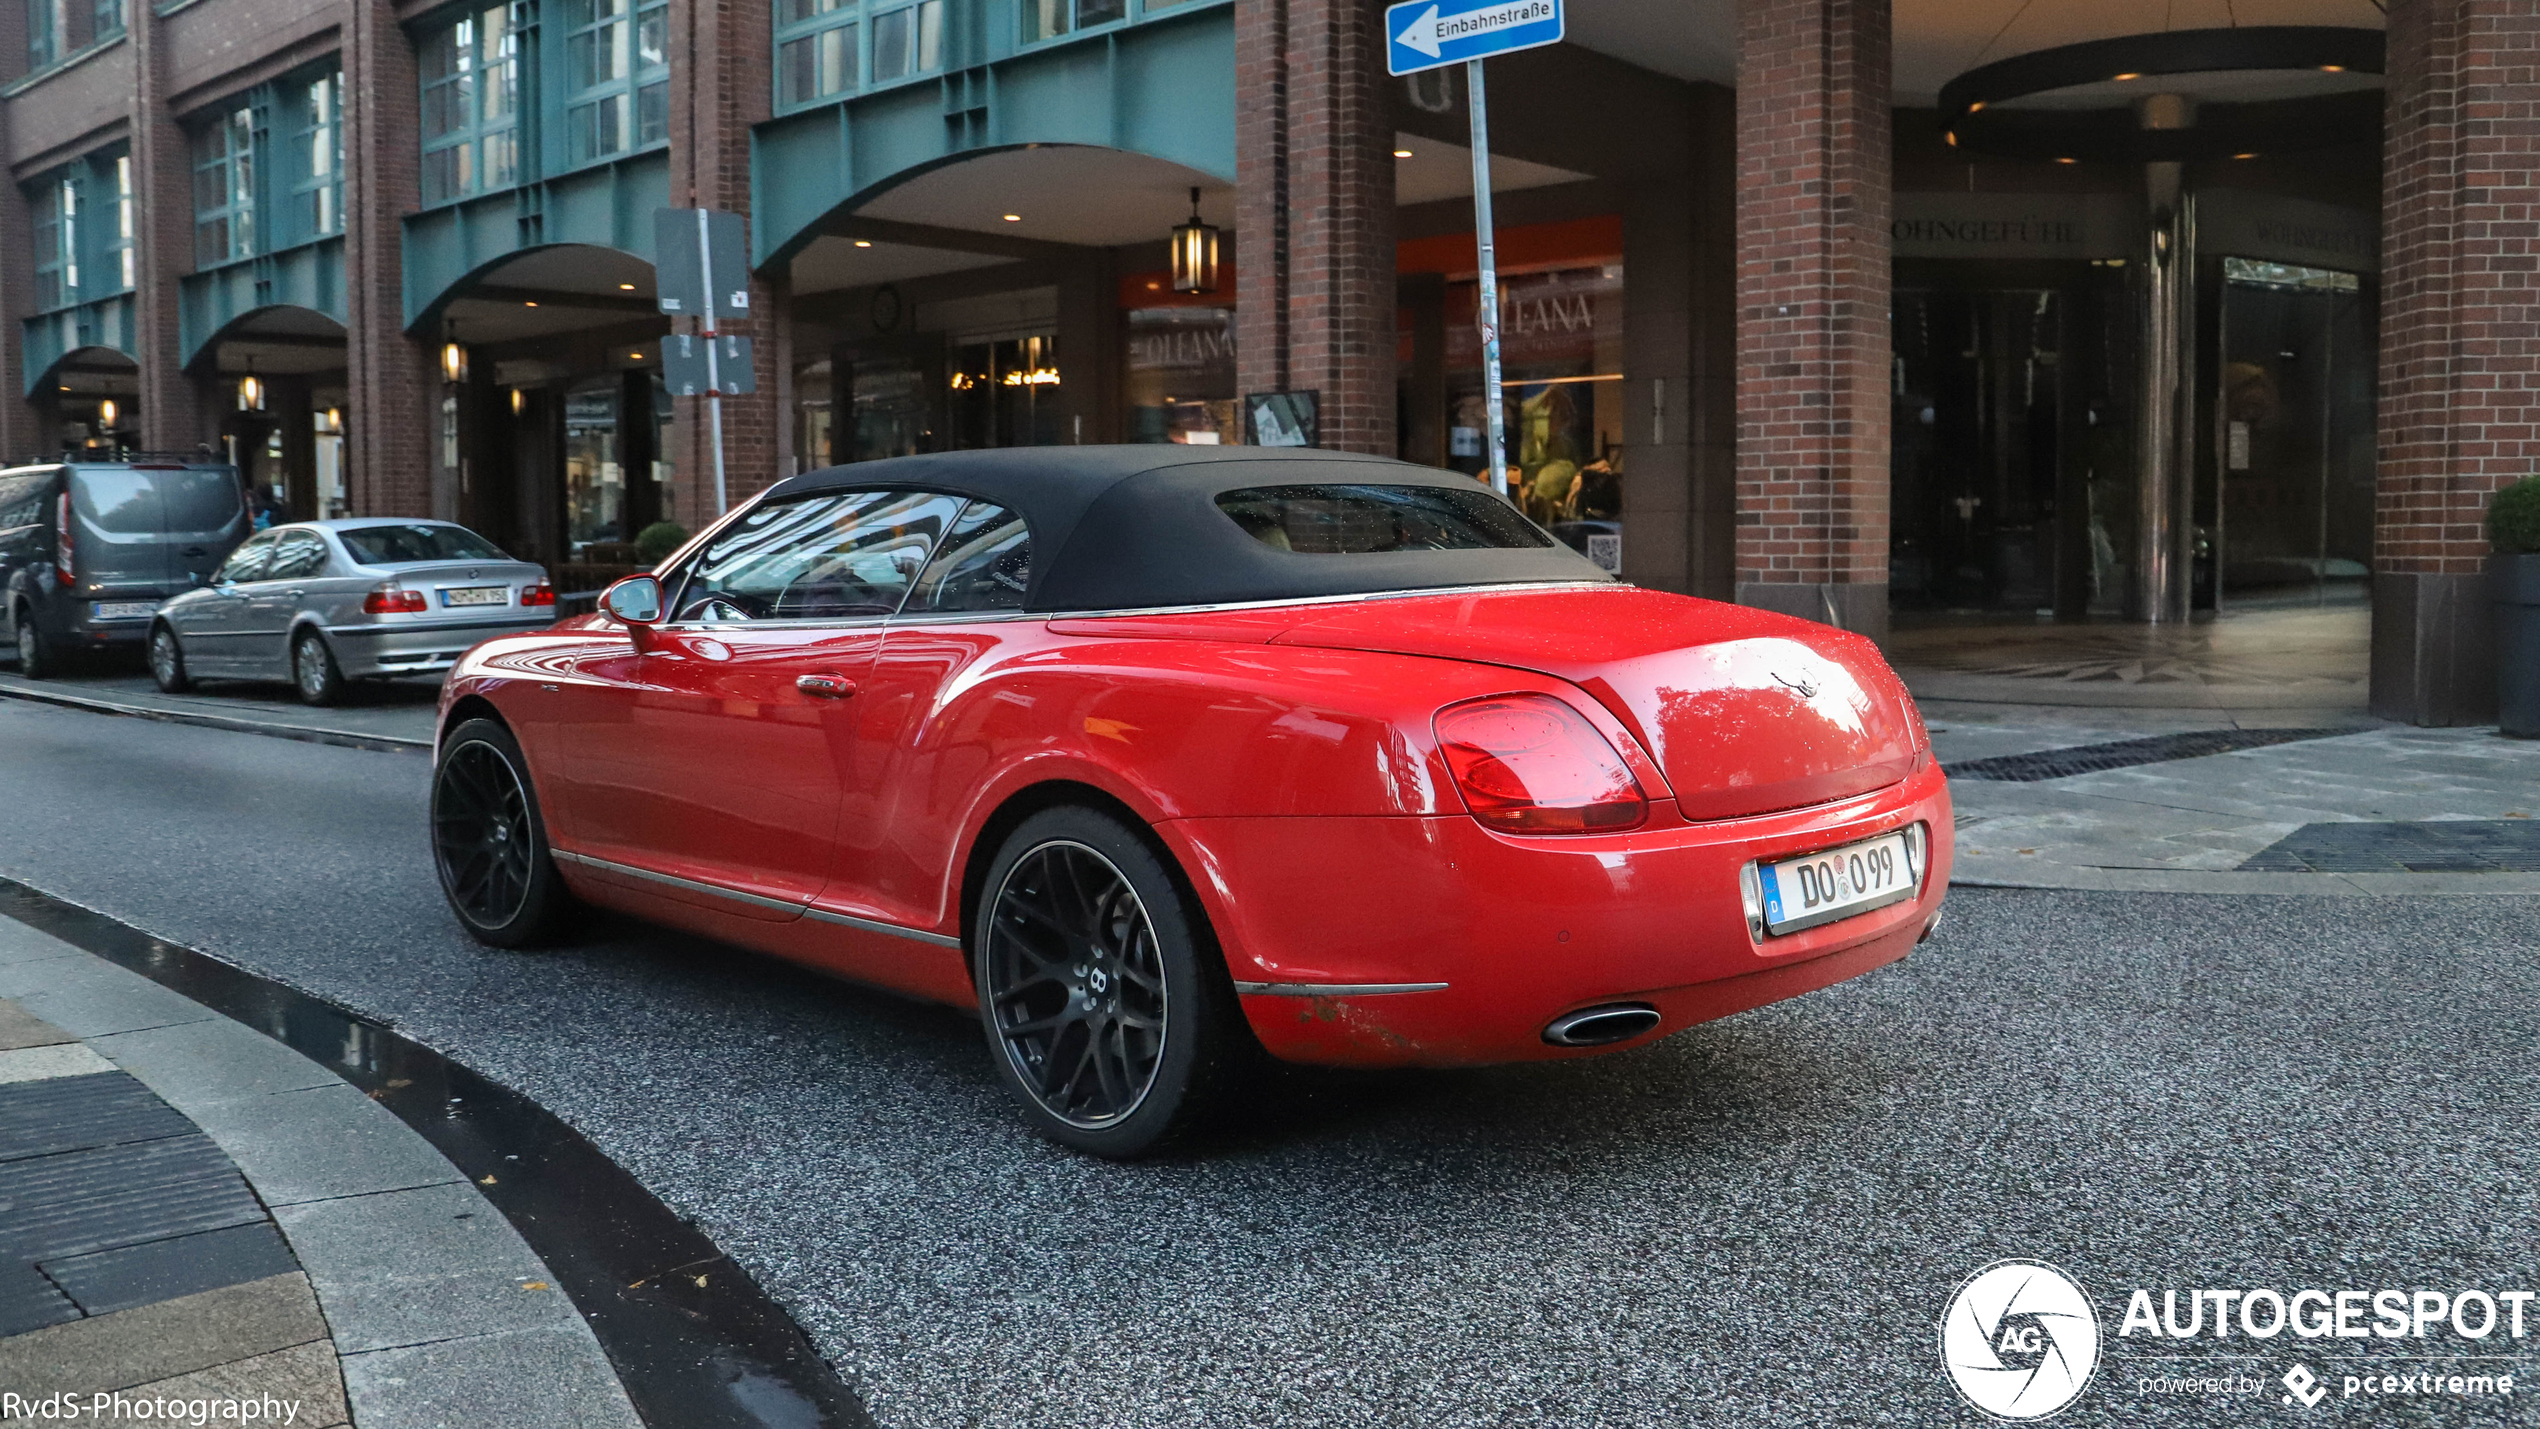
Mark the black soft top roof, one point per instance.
(1133, 527)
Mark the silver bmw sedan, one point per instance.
(320, 603)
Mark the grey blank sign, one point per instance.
(683, 366)
(677, 267)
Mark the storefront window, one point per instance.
(1181, 376)
(1561, 366)
(1005, 393)
(890, 411)
(594, 483)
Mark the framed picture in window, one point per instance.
(1284, 419)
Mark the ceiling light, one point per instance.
(637, 356)
(2244, 156)
(864, 243)
(529, 305)
(2120, 79)
(2332, 69)
(1014, 218)
(626, 287)
(2068, 161)
(1402, 153)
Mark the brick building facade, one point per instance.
(1725, 377)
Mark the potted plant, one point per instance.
(2513, 528)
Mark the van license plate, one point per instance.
(478, 595)
(126, 609)
(1838, 883)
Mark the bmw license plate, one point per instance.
(478, 595)
(1838, 883)
(126, 609)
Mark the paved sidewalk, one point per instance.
(191, 1211)
(395, 715)
(2374, 809)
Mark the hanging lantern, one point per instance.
(453, 362)
(251, 393)
(1195, 254)
(106, 415)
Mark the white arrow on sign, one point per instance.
(1422, 34)
(1426, 33)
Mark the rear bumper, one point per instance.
(1521, 931)
(424, 648)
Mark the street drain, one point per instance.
(2127, 753)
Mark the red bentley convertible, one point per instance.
(1151, 753)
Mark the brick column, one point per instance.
(171, 416)
(393, 382)
(1813, 197)
(1314, 200)
(721, 84)
(2460, 342)
(22, 427)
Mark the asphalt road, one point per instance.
(1757, 1222)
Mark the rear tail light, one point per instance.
(1530, 764)
(392, 600)
(539, 594)
(62, 552)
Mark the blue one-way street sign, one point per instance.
(1424, 34)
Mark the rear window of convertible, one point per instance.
(1336, 520)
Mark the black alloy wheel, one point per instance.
(1105, 1004)
(167, 661)
(313, 670)
(489, 841)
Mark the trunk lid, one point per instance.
(1746, 711)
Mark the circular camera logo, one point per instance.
(2019, 1339)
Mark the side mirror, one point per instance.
(635, 600)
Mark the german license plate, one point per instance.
(126, 609)
(478, 595)
(1838, 883)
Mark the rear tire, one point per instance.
(1105, 1004)
(313, 670)
(167, 661)
(36, 658)
(489, 840)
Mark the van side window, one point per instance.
(22, 500)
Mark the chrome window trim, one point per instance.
(1335, 989)
(755, 900)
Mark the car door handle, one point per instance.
(825, 686)
(295, 594)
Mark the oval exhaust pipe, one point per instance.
(1601, 1026)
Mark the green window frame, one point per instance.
(1049, 19)
(317, 155)
(54, 207)
(117, 254)
(47, 31)
(826, 48)
(109, 18)
(225, 188)
(470, 77)
(617, 77)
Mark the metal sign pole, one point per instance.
(1492, 413)
(714, 377)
